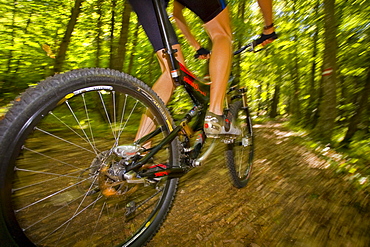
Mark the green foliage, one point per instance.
(290, 69)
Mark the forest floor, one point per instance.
(294, 198)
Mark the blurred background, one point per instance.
(315, 78)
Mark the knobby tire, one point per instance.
(239, 154)
(55, 142)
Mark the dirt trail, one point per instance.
(293, 199)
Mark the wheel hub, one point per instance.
(106, 169)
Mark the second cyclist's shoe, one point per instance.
(216, 125)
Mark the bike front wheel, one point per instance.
(60, 180)
(239, 152)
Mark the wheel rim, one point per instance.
(243, 147)
(239, 153)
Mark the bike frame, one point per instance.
(198, 92)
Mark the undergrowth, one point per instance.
(351, 162)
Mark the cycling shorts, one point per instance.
(205, 9)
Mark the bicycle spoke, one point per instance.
(47, 180)
(51, 214)
(75, 132)
(107, 114)
(77, 212)
(88, 120)
(100, 215)
(148, 199)
(64, 140)
(122, 128)
(49, 157)
(79, 124)
(49, 196)
(72, 218)
(45, 173)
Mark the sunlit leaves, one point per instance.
(31, 31)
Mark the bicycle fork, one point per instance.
(239, 93)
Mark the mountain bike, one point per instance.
(71, 174)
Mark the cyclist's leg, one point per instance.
(148, 19)
(163, 87)
(220, 63)
(215, 15)
(219, 31)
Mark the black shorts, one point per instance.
(205, 9)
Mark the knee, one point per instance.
(221, 37)
(219, 27)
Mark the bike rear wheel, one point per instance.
(239, 153)
(59, 174)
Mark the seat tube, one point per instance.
(164, 27)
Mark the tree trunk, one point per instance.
(25, 30)
(112, 28)
(259, 99)
(275, 101)
(362, 106)
(99, 25)
(311, 111)
(13, 60)
(10, 55)
(134, 44)
(276, 96)
(366, 121)
(295, 104)
(327, 108)
(61, 56)
(236, 68)
(119, 56)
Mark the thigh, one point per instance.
(205, 9)
(148, 19)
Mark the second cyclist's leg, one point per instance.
(219, 31)
(220, 63)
